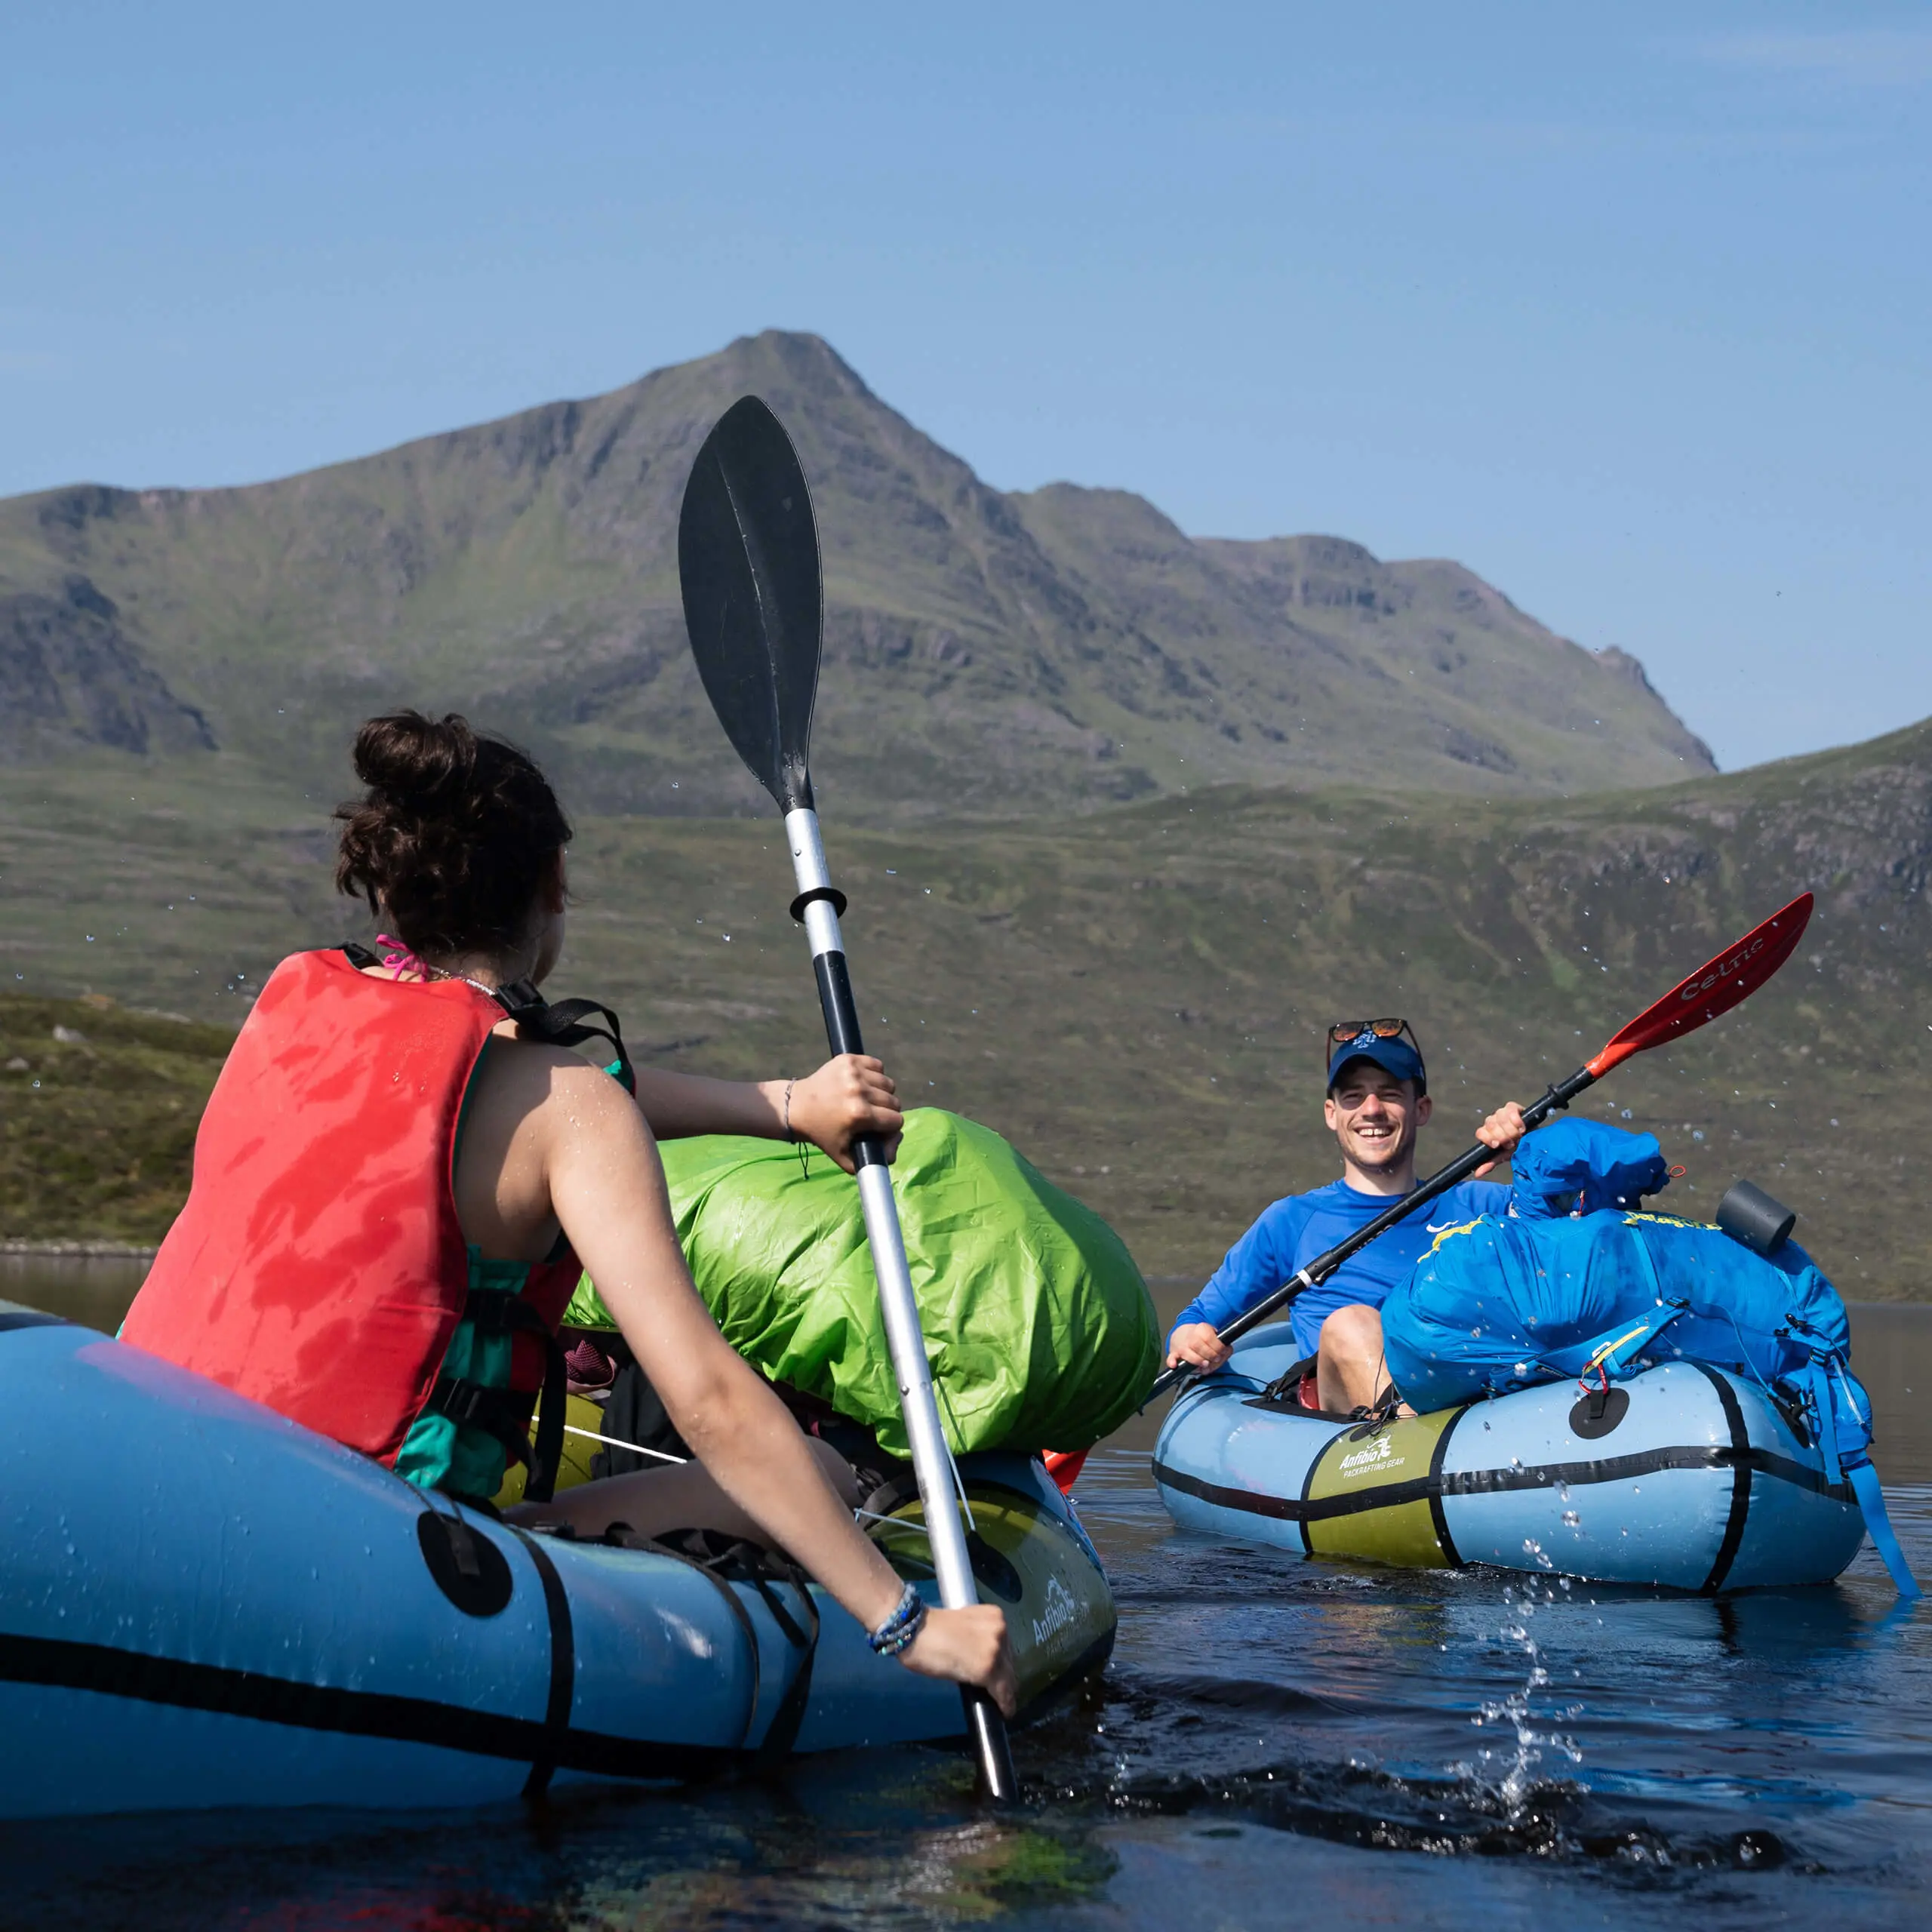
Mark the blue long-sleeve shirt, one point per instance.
(1290, 1234)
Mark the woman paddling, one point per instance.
(394, 1194)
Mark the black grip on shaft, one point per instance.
(842, 1035)
(835, 999)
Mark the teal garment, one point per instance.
(465, 1459)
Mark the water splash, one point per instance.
(1519, 1779)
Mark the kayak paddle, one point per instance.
(1717, 986)
(748, 561)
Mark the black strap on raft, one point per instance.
(1286, 1387)
(783, 1732)
(723, 1560)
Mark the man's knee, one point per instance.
(1352, 1332)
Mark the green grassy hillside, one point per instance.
(1136, 996)
(988, 653)
(98, 1106)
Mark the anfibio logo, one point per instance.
(1061, 1611)
(1378, 1455)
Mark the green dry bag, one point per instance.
(1040, 1331)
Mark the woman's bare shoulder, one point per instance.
(527, 1074)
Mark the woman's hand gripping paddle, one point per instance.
(748, 558)
(1717, 986)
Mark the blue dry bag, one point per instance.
(1573, 1163)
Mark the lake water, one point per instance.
(1276, 1739)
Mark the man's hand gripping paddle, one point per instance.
(1716, 987)
(748, 558)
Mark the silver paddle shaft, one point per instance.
(932, 1463)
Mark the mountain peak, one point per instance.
(1057, 648)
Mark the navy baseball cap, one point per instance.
(1380, 1042)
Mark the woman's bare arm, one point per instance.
(606, 1187)
(845, 1098)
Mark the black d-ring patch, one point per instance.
(469, 1569)
(992, 1569)
(1599, 1412)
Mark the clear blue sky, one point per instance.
(1626, 307)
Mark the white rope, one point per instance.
(611, 1442)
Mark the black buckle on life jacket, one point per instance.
(471, 1405)
(502, 1312)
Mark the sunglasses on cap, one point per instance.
(1345, 1031)
(1365, 1035)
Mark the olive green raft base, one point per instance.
(1039, 1329)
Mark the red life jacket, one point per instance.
(318, 1266)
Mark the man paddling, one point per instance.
(1377, 1102)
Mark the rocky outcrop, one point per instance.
(70, 674)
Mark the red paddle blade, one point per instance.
(1735, 974)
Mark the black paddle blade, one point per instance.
(753, 605)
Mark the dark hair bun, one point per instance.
(407, 757)
(454, 836)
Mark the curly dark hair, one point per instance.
(452, 839)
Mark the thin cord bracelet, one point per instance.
(789, 1135)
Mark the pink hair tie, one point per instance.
(401, 958)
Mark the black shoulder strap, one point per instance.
(564, 1024)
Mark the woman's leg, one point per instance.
(654, 1502)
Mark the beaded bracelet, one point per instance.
(907, 1620)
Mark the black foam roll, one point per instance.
(1749, 1214)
